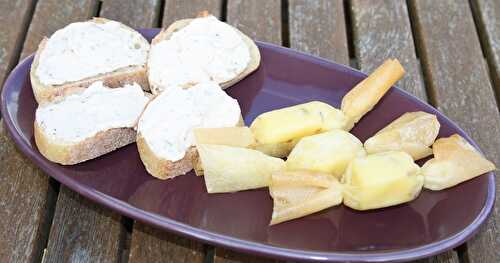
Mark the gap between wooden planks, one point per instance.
(456, 72)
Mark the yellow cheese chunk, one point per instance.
(286, 124)
(328, 152)
(381, 180)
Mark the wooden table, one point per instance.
(451, 50)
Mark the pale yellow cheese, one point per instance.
(287, 124)
(328, 152)
(381, 180)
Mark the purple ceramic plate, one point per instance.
(435, 222)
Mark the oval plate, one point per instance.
(434, 222)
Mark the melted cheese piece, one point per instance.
(86, 49)
(168, 122)
(206, 49)
(381, 180)
(98, 108)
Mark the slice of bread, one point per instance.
(166, 34)
(74, 57)
(85, 125)
(165, 137)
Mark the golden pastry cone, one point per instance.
(302, 178)
(454, 162)
(231, 169)
(366, 94)
(231, 136)
(412, 132)
(299, 193)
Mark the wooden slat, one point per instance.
(150, 244)
(457, 75)
(447, 257)
(74, 217)
(25, 200)
(99, 243)
(27, 195)
(83, 231)
(14, 17)
(260, 20)
(487, 14)
(382, 30)
(228, 256)
(319, 28)
(153, 245)
(52, 15)
(180, 9)
(137, 14)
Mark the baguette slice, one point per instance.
(165, 138)
(89, 124)
(112, 76)
(177, 26)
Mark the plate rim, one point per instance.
(238, 244)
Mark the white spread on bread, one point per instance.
(98, 108)
(167, 123)
(86, 49)
(206, 49)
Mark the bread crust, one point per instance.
(90, 148)
(166, 169)
(118, 78)
(253, 64)
(163, 168)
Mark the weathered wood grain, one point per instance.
(151, 245)
(228, 256)
(319, 28)
(180, 9)
(457, 75)
(260, 20)
(447, 257)
(51, 15)
(14, 18)
(26, 199)
(382, 30)
(487, 14)
(137, 14)
(31, 193)
(82, 231)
